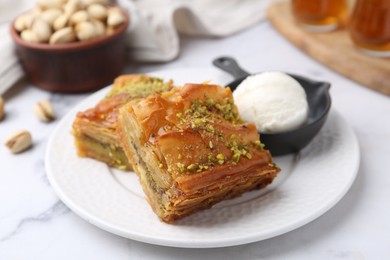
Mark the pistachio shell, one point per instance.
(20, 23)
(115, 17)
(85, 31)
(29, 20)
(97, 11)
(50, 15)
(44, 111)
(42, 30)
(78, 17)
(81, 19)
(29, 36)
(46, 4)
(72, 6)
(18, 141)
(100, 28)
(64, 35)
(60, 22)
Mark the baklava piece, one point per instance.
(190, 149)
(94, 130)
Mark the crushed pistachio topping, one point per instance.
(205, 116)
(210, 128)
(259, 145)
(141, 86)
(236, 157)
(122, 167)
(205, 108)
(220, 158)
(181, 117)
(180, 166)
(192, 167)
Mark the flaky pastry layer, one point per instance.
(94, 130)
(190, 149)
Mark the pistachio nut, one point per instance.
(78, 17)
(44, 111)
(85, 31)
(18, 141)
(50, 15)
(2, 112)
(29, 36)
(42, 30)
(97, 11)
(115, 17)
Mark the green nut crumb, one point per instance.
(236, 157)
(180, 166)
(192, 167)
(220, 156)
(122, 167)
(248, 155)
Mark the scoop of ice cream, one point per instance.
(273, 101)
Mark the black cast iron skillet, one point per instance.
(290, 141)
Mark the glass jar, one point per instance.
(370, 27)
(320, 15)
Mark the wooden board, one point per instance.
(334, 49)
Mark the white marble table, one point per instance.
(35, 224)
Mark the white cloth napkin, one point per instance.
(155, 36)
(155, 26)
(10, 69)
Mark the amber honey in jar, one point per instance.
(370, 26)
(320, 15)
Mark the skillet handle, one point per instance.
(231, 66)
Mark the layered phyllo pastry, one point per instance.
(94, 130)
(190, 149)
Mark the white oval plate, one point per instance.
(310, 184)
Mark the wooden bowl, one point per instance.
(73, 67)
